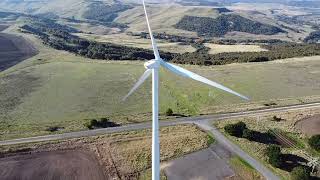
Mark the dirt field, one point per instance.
(310, 125)
(219, 48)
(14, 49)
(63, 165)
(204, 164)
(125, 155)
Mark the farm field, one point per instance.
(56, 88)
(133, 41)
(219, 48)
(292, 140)
(114, 156)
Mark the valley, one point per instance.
(65, 67)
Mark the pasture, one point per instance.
(134, 41)
(56, 88)
(219, 48)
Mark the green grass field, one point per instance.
(56, 88)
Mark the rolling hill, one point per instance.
(223, 24)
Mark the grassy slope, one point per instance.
(64, 90)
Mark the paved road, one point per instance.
(206, 125)
(162, 123)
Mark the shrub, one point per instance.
(235, 129)
(169, 112)
(300, 173)
(314, 142)
(102, 123)
(274, 154)
(248, 134)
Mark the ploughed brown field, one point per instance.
(309, 125)
(14, 49)
(63, 165)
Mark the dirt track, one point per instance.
(310, 125)
(62, 165)
(14, 49)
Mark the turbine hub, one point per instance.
(152, 64)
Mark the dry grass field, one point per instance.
(133, 41)
(286, 125)
(219, 48)
(125, 155)
(163, 18)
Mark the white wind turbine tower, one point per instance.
(152, 67)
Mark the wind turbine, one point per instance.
(152, 67)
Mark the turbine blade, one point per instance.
(185, 73)
(154, 44)
(144, 76)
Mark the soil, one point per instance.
(14, 49)
(310, 125)
(62, 165)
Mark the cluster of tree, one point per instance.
(101, 123)
(275, 158)
(275, 51)
(240, 130)
(313, 37)
(206, 26)
(274, 155)
(314, 142)
(105, 13)
(165, 36)
(60, 37)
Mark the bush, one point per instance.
(235, 129)
(274, 154)
(169, 112)
(102, 123)
(300, 173)
(248, 134)
(314, 142)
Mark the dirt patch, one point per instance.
(14, 49)
(309, 125)
(52, 165)
(211, 163)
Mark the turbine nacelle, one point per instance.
(152, 64)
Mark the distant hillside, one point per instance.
(223, 24)
(104, 12)
(313, 37)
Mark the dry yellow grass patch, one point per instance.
(220, 48)
(135, 41)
